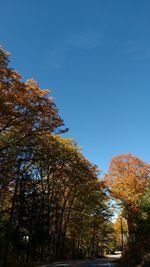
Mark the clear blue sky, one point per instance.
(94, 55)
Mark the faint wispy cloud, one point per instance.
(85, 40)
(137, 49)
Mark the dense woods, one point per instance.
(52, 204)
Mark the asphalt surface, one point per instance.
(106, 262)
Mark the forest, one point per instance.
(53, 202)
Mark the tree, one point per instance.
(50, 194)
(26, 112)
(142, 223)
(128, 180)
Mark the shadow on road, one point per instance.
(108, 261)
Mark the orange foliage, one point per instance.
(127, 179)
(24, 107)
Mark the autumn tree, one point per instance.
(26, 111)
(72, 193)
(59, 202)
(49, 192)
(128, 180)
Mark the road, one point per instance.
(85, 263)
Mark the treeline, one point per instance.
(52, 204)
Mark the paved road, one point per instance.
(85, 263)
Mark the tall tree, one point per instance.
(26, 111)
(128, 180)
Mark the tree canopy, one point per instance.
(127, 178)
(51, 200)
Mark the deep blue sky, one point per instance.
(94, 55)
